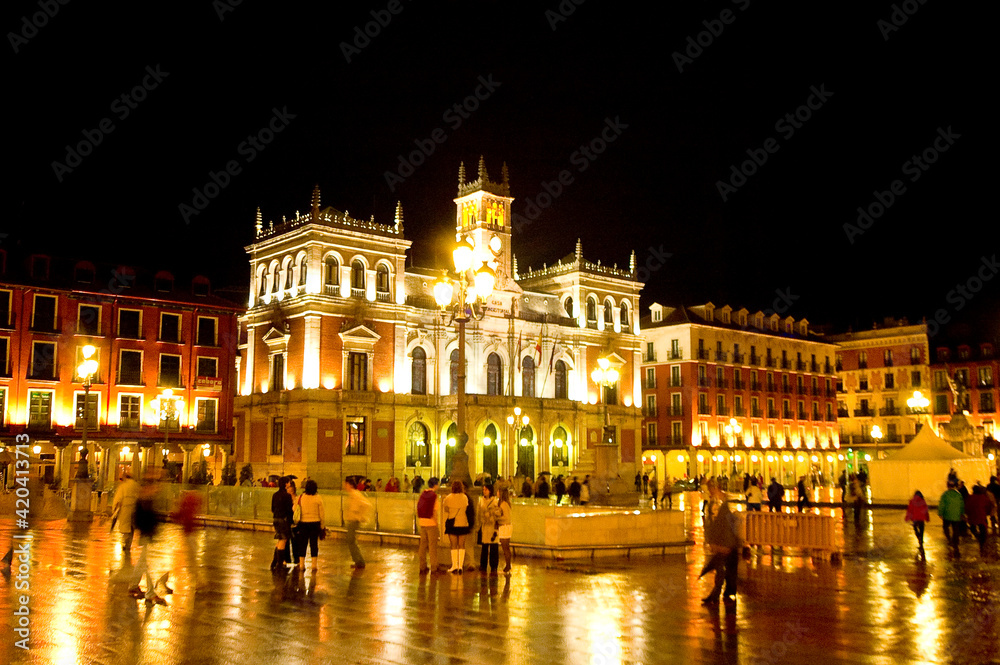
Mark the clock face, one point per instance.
(496, 244)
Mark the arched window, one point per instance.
(288, 275)
(560, 380)
(528, 376)
(303, 270)
(332, 267)
(275, 277)
(526, 453)
(609, 317)
(569, 306)
(358, 275)
(624, 317)
(560, 447)
(382, 279)
(263, 282)
(592, 312)
(418, 446)
(418, 382)
(453, 373)
(491, 451)
(494, 375)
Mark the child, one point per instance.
(917, 513)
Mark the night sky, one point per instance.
(551, 78)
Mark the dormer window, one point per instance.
(657, 316)
(987, 350)
(199, 286)
(39, 267)
(963, 352)
(84, 273)
(942, 354)
(163, 284)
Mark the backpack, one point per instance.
(425, 504)
(470, 511)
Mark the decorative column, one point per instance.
(148, 454)
(62, 468)
(188, 449)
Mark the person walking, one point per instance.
(428, 507)
(994, 489)
(310, 525)
(754, 496)
(406, 485)
(573, 491)
(486, 516)
(560, 488)
(123, 509)
(856, 496)
(654, 489)
(803, 494)
(146, 522)
(505, 526)
(964, 491)
(281, 511)
(842, 483)
(917, 513)
(641, 481)
(668, 493)
(723, 543)
(977, 513)
(951, 508)
(526, 489)
(543, 487)
(585, 491)
(457, 524)
(356, 511)
(775, 496)
(418, 484)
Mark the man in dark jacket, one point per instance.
(543, 488)
(560, 489)
(574, 492)
(722, 539)
(775, 496)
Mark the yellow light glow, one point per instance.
(840, 458)
(451, 442)
(207, 452)
(628, 400)
(680, 458)
(770, 458)
(701, 458)
(385, 385)
(753, 458)
(603, 363)
(801, 458)
(517, 410)
(510, 420)
(487, 441)
(524, 442)
(462, 254)
(829, 458)
(524, 419)
(126, 450)
(37, 449)
(559, 444)
(991, 457)
(814, 458)
(593, 399)
(868, 458)
(88, 351)
(737, 458)
(329, 383)
(443, 292)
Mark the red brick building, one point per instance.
(150, 331)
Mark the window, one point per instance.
(720, 404)
(358, 276)
(862, 359)
(915, 378)
(4, 356)
(277, 436)
(528, 376)
(39, 267)
(332, 269)
(44, 314)
(677, 433)
(303, 271)
(43, 360)
(890, 380)
(941, 404)
(130, 368)
(609, 317)
(206, 331)
(356, 436)
(568, 306)
(650, 406)
(4, 309)
(129, 323)
(129, 410)
(418, 449)
(278, 371)
(675, 405)
(651, 434)
(263, 283)
(986, 403)
(163, 283)
(170, 371)
(418, 373)
(887, 357)
(206, 414)
(288, 276)
(91, 411)
(453, 373)
(199, 287)
(208, 367)
(3, 401)
(494, 375)
(650, 377)
(39, 410)
(675, 349)
(560, 380)
(170, 328)
(986, 377)
(592, 311)
(357, 368)
(89, 320)
(382, 279)
(657, 316)
(675, 376)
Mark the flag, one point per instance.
(538, 352)
(552, 358)
(517, 357)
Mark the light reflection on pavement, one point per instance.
(878, 604)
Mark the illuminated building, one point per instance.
(972, 368)
(150, 333)
(731, 391)
(347, 365)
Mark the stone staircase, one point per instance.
(586, 464)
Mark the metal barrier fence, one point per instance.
(799, 530)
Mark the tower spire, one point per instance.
(579, 249)
(631, 262)
(505, 175)
(461, 173)
(483, 175)
(399, 216)
(515, 268)
(315, 203)
(259, 224)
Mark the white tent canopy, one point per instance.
(923, 464)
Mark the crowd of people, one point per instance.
(963, 513)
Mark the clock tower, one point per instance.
(483, 215)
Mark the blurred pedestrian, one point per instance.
(856, 496)
(573, 491)
(723, 544)
(281, 511)
(310, 525)
(406, 486)
(668, 492)
(418, 483)
(994, 489)
(123, 509)
(775, 496)
(560, 488)
(146, 522)
(428, 508)
(951, 508)
(505, 526)
(754, 496)
(526, 489)
(543, 487)
(977, 512)
(654, 489)
(487, 514)
(356, 511)
(803, 494)
(917, 513)
(963, 528)
(457, 524)
(585, 491)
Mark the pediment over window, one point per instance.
(359, 337)
(275, 338)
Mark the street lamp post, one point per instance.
(80, 499)
(466, 298)
(166, 407)
(918, 405)
(732, 429)
(877, 435)
(606, 452)
(517, 423)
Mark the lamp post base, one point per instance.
(460, 469)
(79, 507)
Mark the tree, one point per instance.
(246, 473)
(229, 474)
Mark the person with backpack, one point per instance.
(428, 506)
(459, 516)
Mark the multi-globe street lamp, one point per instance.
(518, 423)
(877, 436)
(86, 371)
(167, 407)
(466, 297)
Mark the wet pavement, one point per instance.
(877, 604)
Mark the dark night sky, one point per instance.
(655, 185)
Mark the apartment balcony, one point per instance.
(770, 362)
(863, 387)
(843, 413)
(739, 411)
(651, 412)
(862, 364)
(675, 411)
(787, 390)
(754, 359)
(702, 354)
(721, 356)
(773, 413)
(649, 357)
(722, 383)
(651, 441)
(814, 367)
(382, 296)
(839, 366)
(704, 382)
(865, 413)
(786, 414)
(739, 385)
(831, 392)
(704, 410)
(987, 408)
(985, 383)
(800, 365)
(802, 415)
(889, 410)
(786, 363)
(939, 411)
(771, 388)
(816, 417)
(676, 355)
(755, 386)
(722, 410)
(331, 289)
(828, 369)
(357, 293)
(831, 418)
(739, 357)
(756, 413)
(801, 390)
(650, 385)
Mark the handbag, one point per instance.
(322, 533)
(297, 511)
(479, 537)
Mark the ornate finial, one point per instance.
(461, 173)
(631, 263)
(399, 216)
(516, 276)
(483, 176)
(315, 203)
(579, 249)
(270, 223)
(505, 174)
(259, 224)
